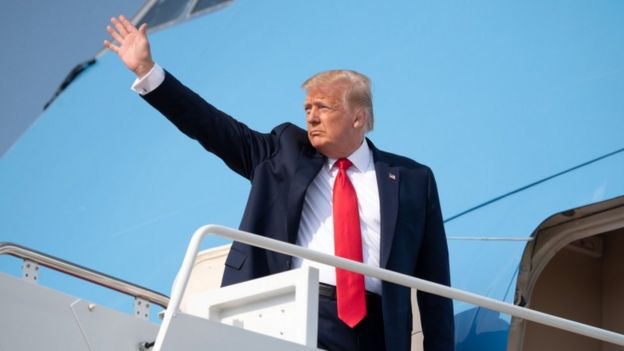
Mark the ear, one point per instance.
(359, 120)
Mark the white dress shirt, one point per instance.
(316, 229)
(150, 81)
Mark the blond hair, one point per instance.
(358, 93)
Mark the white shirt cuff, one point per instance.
(150, 81)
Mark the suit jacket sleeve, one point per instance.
(240, 147)
(436, 312)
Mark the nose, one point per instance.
(312, 115)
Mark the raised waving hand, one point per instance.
(131, 45)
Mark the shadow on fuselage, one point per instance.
(480, 329)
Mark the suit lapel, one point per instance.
(308, 166)
(388, 179)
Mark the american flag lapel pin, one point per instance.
(392, 176)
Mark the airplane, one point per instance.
(516, 107)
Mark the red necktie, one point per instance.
(348, 244)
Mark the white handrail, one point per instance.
(84, 273)
(383, 274)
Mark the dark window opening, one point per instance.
(165, 12)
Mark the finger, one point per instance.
(143, 28)
(111, 47)
(119, 27)
(114, 34)
(129, 27)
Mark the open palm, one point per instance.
(132, 45)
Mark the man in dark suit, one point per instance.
(298, 179)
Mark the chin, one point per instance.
(320, 147)
(316, 141)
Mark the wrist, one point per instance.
(143, 69)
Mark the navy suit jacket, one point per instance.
(281, 165)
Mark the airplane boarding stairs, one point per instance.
(278, 312)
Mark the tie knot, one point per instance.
(344, 164)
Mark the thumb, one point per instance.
(143, 28)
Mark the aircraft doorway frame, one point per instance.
(580, 230)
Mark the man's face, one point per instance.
(334, 128)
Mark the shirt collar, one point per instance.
(361, 158)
